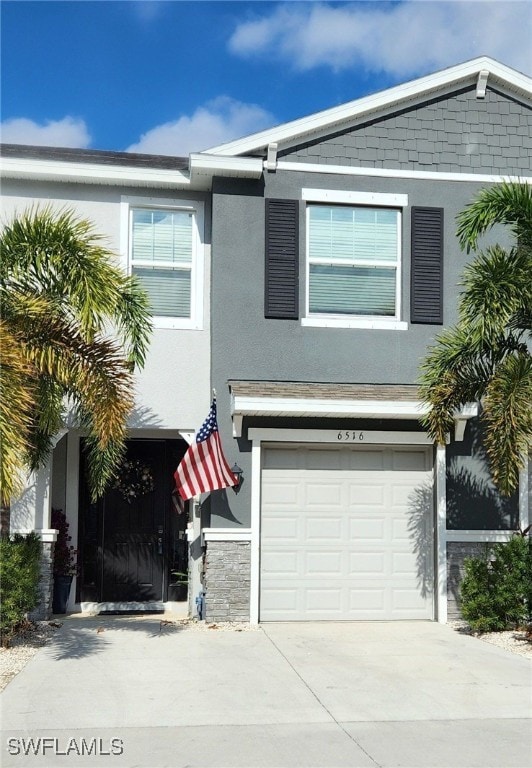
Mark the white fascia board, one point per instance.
(284, 406)
(371, 409)
(211, 165)
(91, 173)
(398, 173)
(413, 89)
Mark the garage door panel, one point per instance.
(281, 528)
(280, 563)
(284, 492)
(281, 602)
(366, 564)
(328, 494)
(322, 600)
(410, 460)
(363, 600)
(373, 459)
(365, 495)
(321, 528)
(323, 563)
(346, 534)
(406, 600)
(367, 529)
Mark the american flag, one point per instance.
(204, 467)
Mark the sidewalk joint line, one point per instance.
(322, 705)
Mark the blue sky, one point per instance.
(176, 77)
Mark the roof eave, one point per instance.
(330, 119)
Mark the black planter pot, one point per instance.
(62, 586)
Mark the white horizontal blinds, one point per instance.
(350, 290)
(168, 290)
(353, 258)
(162, 256)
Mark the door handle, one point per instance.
(160, 545)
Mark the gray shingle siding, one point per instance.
(458, 133)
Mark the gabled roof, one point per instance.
(473, 73)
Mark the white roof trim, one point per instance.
(202, 169)
(90, 173)
(414, 89)
(397, 173)
(209, 165)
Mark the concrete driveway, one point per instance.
(134, 692)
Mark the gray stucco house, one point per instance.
(331, 275)
(322, 261)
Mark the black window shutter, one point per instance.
(426, 288)
(281, 295)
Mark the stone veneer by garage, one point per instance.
(227, 580)
(43, 609)
(457, 551)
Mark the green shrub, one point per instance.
(496, 592)
(19, 578)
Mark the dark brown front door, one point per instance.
(134, 528)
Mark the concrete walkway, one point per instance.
(113, 692)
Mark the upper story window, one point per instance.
(353, 259)
(166, 254)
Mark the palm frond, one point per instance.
(17, 401)
(58, 255)
(497, 288)
(508, 415)
(509, 203)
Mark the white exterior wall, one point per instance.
(173, 390)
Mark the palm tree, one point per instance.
(486, 357)
(73, 328)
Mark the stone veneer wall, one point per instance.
(457, 551)
(227, 580)
(43, 609)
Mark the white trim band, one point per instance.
(226, 534)
(399, 173)
(354, 198)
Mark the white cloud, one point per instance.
(68, 132)
(402, 39)
(220, 120)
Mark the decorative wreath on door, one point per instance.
(134, 480)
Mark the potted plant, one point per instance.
(179, 586)
(65, 562)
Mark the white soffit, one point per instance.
(501, 76)
(245, 405)
(280, 406)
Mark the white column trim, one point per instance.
(524, 491)
(441, 534)
(46, 535)
(254, 594)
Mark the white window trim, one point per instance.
(354, 198)
(127, 203)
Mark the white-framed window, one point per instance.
(354, 259)
(165, 252)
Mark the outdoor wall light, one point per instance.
(239, 474)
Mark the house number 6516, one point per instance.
(348, 435)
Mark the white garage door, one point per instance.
(346, 533)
